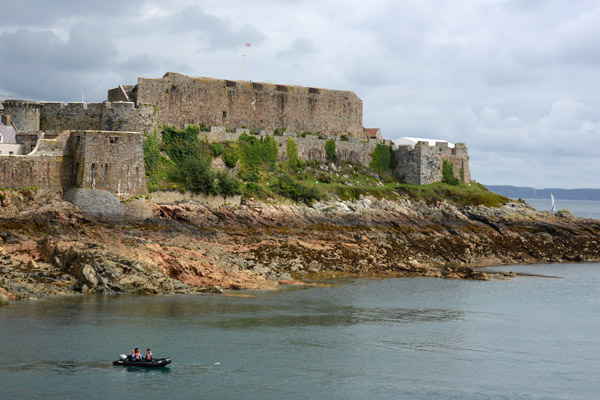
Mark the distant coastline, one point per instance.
(523, 192)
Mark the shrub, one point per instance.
(278, 131)
(448, 173)
(383, 159)
(343, 138)
(462, 174)
(330, 151)
(253, 190)
(291, 151)
(226, 184)
(295, 190)
(231, 156)
(181, 143)
(217, 149)
(196, 175)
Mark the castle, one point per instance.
(100, 145)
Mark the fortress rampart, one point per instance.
(183, 100)
(55, 117)
(112, 161)
(423, 164)
(102, 149)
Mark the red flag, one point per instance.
(247, 44)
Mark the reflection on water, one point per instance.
(333, 316)
(384, 339)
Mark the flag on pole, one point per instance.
(248, 44)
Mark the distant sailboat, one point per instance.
(553, 208)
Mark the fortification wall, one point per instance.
(57, 117)
(108, 116)
(183, 100)
(124, 116)
(24, 115)
(423, 164)
(310, 147)
(52, 173)
(112, 161)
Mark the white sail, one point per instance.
(553, 208)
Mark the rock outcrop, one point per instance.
(49, 247)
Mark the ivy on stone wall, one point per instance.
(383, 159)
(330, 151)
(448, 173)
(256, 156)
(291, 151)
(193, 162)
(151, 152)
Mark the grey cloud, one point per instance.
(41, 66)
(215, 33)
(41, 13)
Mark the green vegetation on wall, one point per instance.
(188, 165)
(151, 152)
(231, 155)
(256, 156)
(383, 159)
(448, 173)
(291, 151)
(330, 152)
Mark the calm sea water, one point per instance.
(527, 338)
(580, 208)
(418, 338)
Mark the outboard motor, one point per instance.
(122, 357)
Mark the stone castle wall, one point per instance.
(25, 115)
(423, 164)
(183, 100)
(310, 147)
(107, 116)
(110, 161)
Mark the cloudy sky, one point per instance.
(517, 80)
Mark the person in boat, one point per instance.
(137, 356)
(148, 355)
(131, 355)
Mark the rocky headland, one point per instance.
(49, 246)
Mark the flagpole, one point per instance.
(243, 60)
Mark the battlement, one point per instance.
(423, 163)
(182, 100)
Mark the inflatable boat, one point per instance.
(156, 362)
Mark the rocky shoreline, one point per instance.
(50, 247)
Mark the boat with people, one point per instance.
(157, 362)
(135, 359)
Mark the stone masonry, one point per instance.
(423, 164)
(112, 161)
(102, 147)
(183, 100)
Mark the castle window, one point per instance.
(282, 88)
(113, 139)
(230, 84)
(224, 114)
(257, 86)
(313, 90)
(10, 153)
